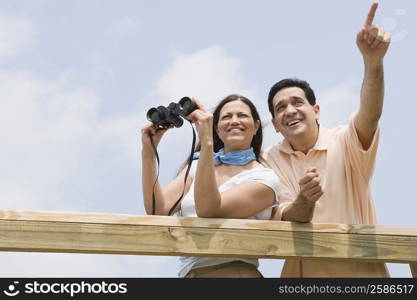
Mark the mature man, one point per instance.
(327, 172)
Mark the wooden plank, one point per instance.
(197, 237)
(106, 218)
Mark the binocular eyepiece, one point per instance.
(164, 117)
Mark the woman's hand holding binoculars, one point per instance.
(203, 120)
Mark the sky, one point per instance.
(77, 78)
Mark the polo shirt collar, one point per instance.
(322, 142)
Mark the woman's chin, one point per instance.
(236, 145)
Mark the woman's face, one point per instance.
(236, 126)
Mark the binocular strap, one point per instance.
(189, 162)
(156, 180)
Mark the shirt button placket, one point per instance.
(301, 163)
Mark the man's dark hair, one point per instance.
(290, 82)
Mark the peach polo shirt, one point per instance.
(346, 170)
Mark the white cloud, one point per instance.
(124, 134)
(338, 103)
(49, 131)
(209, 74)
(16, 36)
(41, 126)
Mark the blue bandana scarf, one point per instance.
(241, 157)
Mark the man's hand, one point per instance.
(302, 208)
(373, 41)
(310, 188)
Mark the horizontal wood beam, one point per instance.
(63, 232)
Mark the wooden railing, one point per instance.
(62, 232)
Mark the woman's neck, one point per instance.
(249, 165)
(233, 149)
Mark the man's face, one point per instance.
(295, 117)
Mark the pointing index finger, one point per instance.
(371, 14)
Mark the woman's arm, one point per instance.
(245, 200)
(206, 193)
(167, 196)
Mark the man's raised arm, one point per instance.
(373, 43)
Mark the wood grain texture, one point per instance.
(34, 231)
(106, 218)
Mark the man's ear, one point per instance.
(316, 109)
(273, 120)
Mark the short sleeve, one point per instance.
(361, 161)
(270, 159)
(267, 177)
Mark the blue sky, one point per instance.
(77, 77)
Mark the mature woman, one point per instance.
(226, 181)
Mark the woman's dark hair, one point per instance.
(290, 82)
(256, 143)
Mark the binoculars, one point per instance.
(165, 117)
